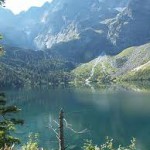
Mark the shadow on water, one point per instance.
(119, 111)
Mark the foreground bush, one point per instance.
(109, 145)
(32, 144)
(8, 123)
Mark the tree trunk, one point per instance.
(61, 130)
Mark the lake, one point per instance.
(93, 113)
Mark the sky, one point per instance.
(16, 6)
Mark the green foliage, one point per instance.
(88, 145)
(109, 145)
(131, 64)
(32, 144)
(1, 37)
(1, 48)
(142, 73)
(27, 68)
(7, 123)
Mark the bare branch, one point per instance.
(69, 126)
(55, 130)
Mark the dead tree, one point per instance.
(61, 130)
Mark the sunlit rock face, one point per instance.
(75, 28)
(70, 32)
(66, 26)
(79, 29)
(132, 26)
(66, 20)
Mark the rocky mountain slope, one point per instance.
(131, 26)
(132, 64)
(73, 28)
(82, 29)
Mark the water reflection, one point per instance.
(113, 111)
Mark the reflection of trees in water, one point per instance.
(103, 112)
(139, 86)
(114, 115)
(117, 122)
(126, 125)
(37, 105)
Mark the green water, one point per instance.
(117, 113)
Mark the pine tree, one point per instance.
(2, 2)
(1, 49)
(7, 123)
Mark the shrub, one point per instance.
(109, 145)
(32, 144)
(8, 123)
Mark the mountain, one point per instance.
(67, 26)
(67, 32)
(132, 64)
(141, 73)
(79, 30)
(20, 30)
(131, 26)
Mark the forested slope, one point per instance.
(22, 67)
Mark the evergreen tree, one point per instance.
(1, 49)
(7, 123)
(2, 2)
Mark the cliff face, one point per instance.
(79, 30)
(131, 26)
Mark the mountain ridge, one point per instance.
(80, 31)
(62, 23)
(132, 64)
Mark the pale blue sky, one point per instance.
(22, 5)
